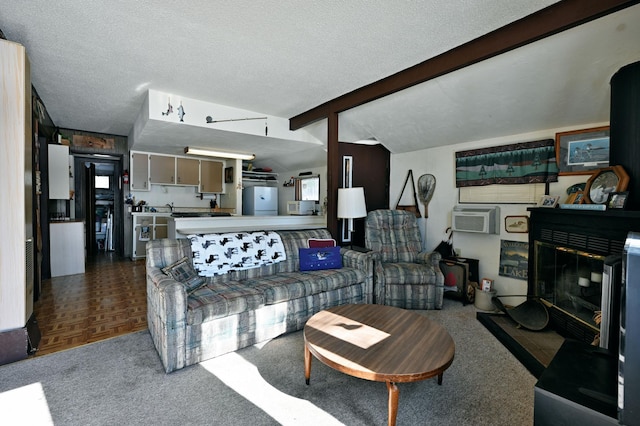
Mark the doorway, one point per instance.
(99, 202)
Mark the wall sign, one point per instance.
(514, 259)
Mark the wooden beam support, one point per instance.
(334, 173)
(551, 20)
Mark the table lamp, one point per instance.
(351, 205)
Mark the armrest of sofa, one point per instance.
(362, 261)
(429, 258)
(167, 317)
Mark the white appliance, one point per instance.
(260, 201)
(485, 220)
(301, 208)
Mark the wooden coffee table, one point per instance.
(379, 343)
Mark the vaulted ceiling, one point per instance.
(93, 64)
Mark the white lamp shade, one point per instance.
(351, 203)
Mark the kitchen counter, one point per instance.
(181, 227)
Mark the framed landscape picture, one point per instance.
(580, 152)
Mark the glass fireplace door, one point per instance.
(571, 280)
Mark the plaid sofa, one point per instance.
(244, 307)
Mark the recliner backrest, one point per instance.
(394, 234)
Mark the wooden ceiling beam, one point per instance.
(551, 20)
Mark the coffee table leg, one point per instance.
(394, 394)
(440, 378)
(307, 363)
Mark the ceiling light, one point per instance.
(221, 154)
(368, 141)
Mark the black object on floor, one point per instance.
(531, 314)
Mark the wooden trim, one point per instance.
(334, 174)
(551, 20)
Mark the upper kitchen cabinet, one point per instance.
(188, 171)
(58, 172)
(140, 171)
(211, 179)
(162, 169)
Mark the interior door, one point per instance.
(370, 170)
(90, 208)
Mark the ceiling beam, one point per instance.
(551, 20)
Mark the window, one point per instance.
(103, 182)
(308, 188)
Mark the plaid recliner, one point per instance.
(404, 276)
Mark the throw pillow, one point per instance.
(313, 259)
(321, 242)
(184, 272)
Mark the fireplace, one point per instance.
(574, 268)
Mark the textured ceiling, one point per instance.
(92, 63)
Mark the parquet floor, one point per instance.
(108, 300)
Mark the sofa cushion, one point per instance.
(321, 242)
(292, 285)
(216, 300)
(184, 272)
(312, 259)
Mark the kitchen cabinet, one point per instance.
(211, 179)
(188, 171)
(140, 171)
(147, 226)
(58, 172)
(162, 169)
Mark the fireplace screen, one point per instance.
(571, 280)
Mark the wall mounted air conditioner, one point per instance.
(483, 220)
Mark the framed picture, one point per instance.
(549, 201)
(617, 200)
(580, 152)
(603, 182)
(487, 284)
(228, 175)
(516, 224)
(578, 199)
(514, 259)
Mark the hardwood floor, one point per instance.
(108, 300)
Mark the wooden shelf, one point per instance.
(251, 176)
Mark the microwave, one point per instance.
(302, 208)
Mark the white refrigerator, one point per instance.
(260, 201)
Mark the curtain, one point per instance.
(520, 163)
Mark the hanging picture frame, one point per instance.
(580, 152)
(228, 175)
(516, 224)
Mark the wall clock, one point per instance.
(603, 182)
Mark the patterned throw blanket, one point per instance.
(216, 254)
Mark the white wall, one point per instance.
(440, 162)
